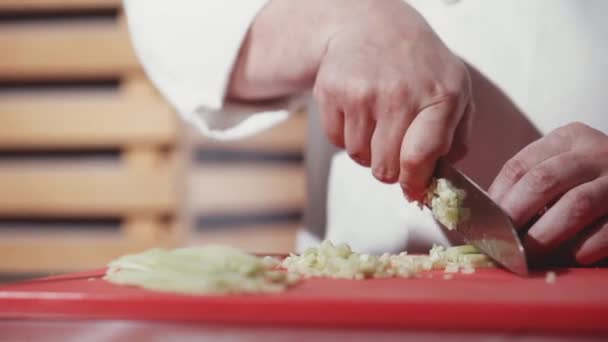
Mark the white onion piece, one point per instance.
(199, 270)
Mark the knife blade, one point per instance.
(488, 227)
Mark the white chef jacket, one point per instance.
(545, 64)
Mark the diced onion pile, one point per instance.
(223, 270)
(445, 201)
(200, 270)
(340, 261)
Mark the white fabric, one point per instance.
(548, 56)
(187, 49)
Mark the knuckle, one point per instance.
(580, 204)
(396, 98)
(326, 88)
(435, 89)
(561, 133)
(579, 136)
(444, 92)
(396, 90)
(576, 126)
(513, 170)
(541, 180)
(570, 131)
(359, 92)
(423, 154)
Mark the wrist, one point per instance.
(285, 46)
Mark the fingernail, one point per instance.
(383, 174)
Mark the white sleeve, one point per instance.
(187, 49)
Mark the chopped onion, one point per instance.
(467, 269)
(445, 201)
(221, 270)
(452, 268)
(199, 270)
(340, 261)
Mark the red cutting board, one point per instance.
(487, 300)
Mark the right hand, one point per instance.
(393, 95)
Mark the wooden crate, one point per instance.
(45, 112)
(95, 98)
(254, 198)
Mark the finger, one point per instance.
(531, 155)
(385, 145)
(543, 184)
(429, 137)
(358, 129)
(593, 245)
(332, 120)
(462, 136)
(575, 210)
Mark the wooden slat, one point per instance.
(67, 251)
(142, 227)
(61, 251)
(232, 188)
(143, 157)
(26, 5)
(255, 239)
(82, 191)
(145, 229)
(83, 121)
(288, 136)
(77, 50)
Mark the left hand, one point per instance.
(566, 173)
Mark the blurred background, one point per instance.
(94, 163)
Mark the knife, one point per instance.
(488, 227)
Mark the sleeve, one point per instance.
(188, 48)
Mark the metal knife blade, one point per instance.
(488, 228)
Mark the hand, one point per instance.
(394, 95)
(565, 172)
